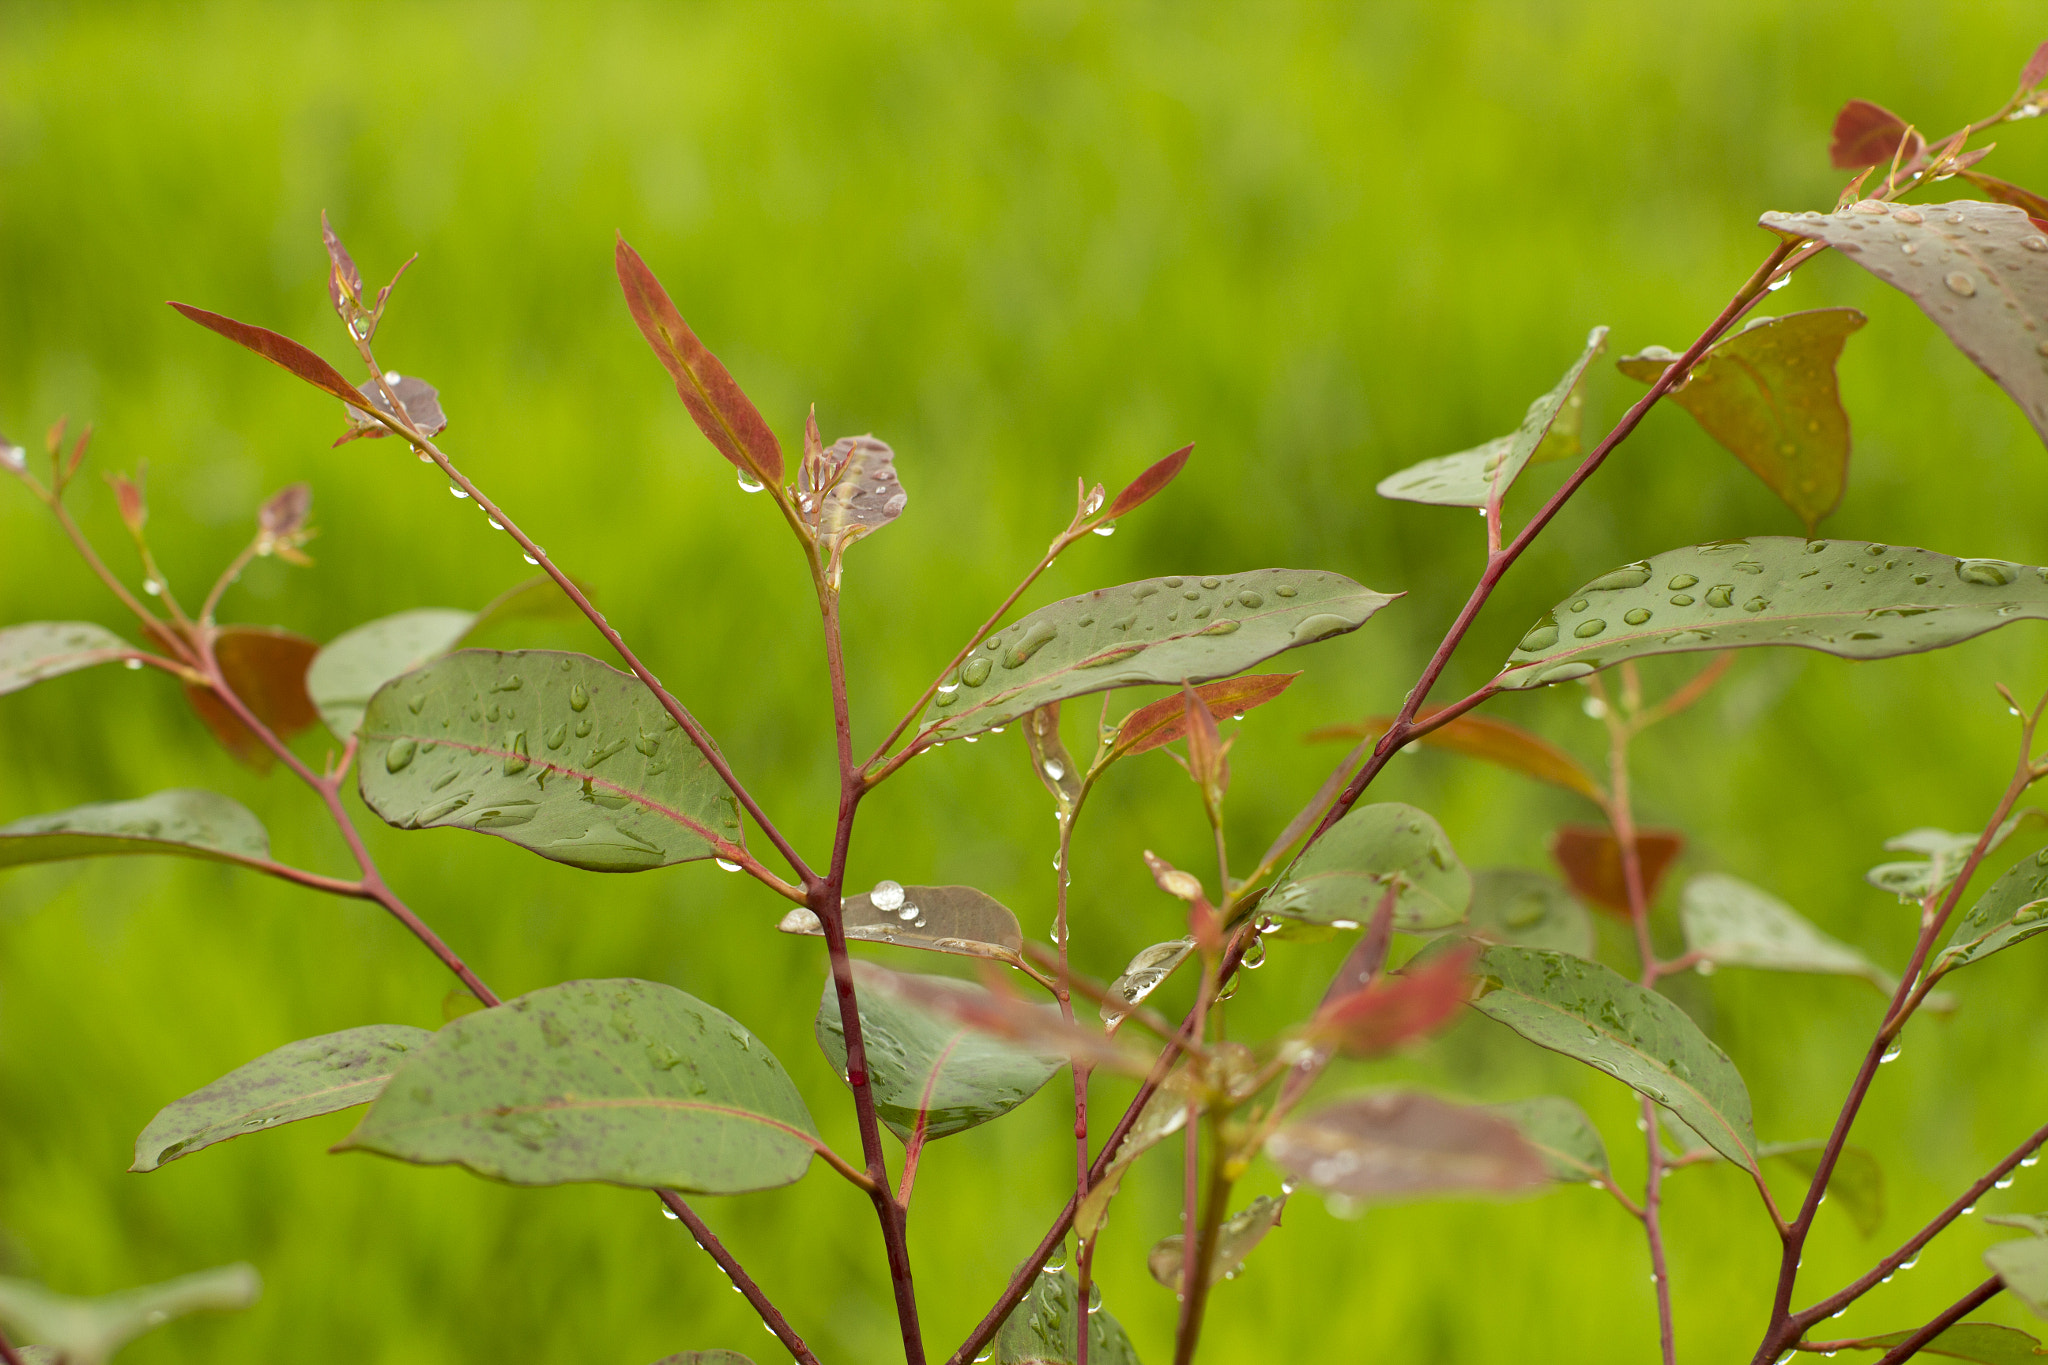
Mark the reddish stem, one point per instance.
(742, 1281)
(1948, 1318)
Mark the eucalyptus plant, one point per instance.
(636, 1083)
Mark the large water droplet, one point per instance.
(1959, 282)
(1542, 636)
(1108, 528)
(1627, 576)
(887, 896)
(1990, 573)
(1317, 627)
(726, 864)
(975, 673)
(399, 754)
(748, 483)
(1721, 595)
(1636, 616)
(578, 698)
(1586, 630)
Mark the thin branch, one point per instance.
(1947, 1318)
(742, 1281)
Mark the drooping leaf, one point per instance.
(2005, 192)
(1162, 630)
(943, 919)
(1164, 721)
(1562, 1135)
(1496, 741)
(194, 824)
(1165, 1114)
(1476, 477)
(1730, 923)
(1044, 1328)
(1869, 134)
(1979, 270)
(1337, 879)
(279, 350)
(2036, 1223)
(1590, 858)
(924, 1063)
(49, 649)
(350, 668)
(1147, 971)
(2023, 1266)
(1512, 905)
(1856, 1183)
(722, 412)
(628, 1082)
(1768, 393)
(90, 1331)
(558, 753)
(2013, 910)
(266, 668)
(1235, 1239)
(418, 401)
(1142, 489)
(1395, 1010)
(1592, 1014)
(1987, 1343)
(1050, 760)
(848, 491)
(1393, 1144)
(298, 1081)
(1848, 598)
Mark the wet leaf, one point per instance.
(1943, 856)
(1562, 1135)
(1165, 1114)
(1986, 1343)
(1592, 1014)
(298, 1081)
(1768, 393)
(419, 401)
(1733, 924)
(1339, 876)
(626, 1082)
(924, 1063)
(1869, 134)
(1395, 1010)
(2013, 910)
(49, 649)
(558, 753)
(90, 1331)
(1511, 905)
(1848, 598)
(1162, 630)
(1164, 721)
(1049, 757)
(1235, 1239)
(1146, 973)
(1979, 270)
(1856, 1184)
(279, 350)
(266, 668)
(1393, 1144)
(2005, 192)
(1590, 858)
(1000, 1013)
(722, 412)
(350, 668)
(943, 919)
(1044, 1328)
(848, 491)
(1142, 489)
(1496, 741)
(2023, 1266)
(194, 824)
(1473, 478)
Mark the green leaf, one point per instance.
(90, 1331)
(194, 824)
(2023, 1265)
(1160, 630)
(1513, 905)
(941, 919)
(1044, 1328)
(628, 1082)
(1979, 270)
(1239, 1233)
(1768, 393)
(925, 1065)
(2036, 1223)
(350, 668)
(1147, 971)
(1987, 1343)
(298, 1081)
(1848, 598)
(1395, 1144)
(1165, 1114)
(1473, 478)
(1591, 1013)
(1337, 878)
(1562, 1135)
(1944, 856)
(558, 753)
(1730, 923)
(1857, 1182)
(48, 649)
(2013, 910)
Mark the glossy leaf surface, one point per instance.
(419, 403)
(266, 668)
(1393, 1144)
(2023, 1266)
(49, 649)
(943, 919)
(1512, 905)
(185, 821)
(2013, 910)
(350, 668)
(1240, 1232)
(90, 1331)
(1562, 1135)
(279, 350)
(1986, 1343)
(1591, 1013)
(1147, 971)
(298, 1081)
(1732, 924)
(1496, 741)
(1161, 630)
(558, 753)
(1337, 879)
(1045, 1326)
(627, 1082)
(1979, 270)
(848, 491)
(1164, 721)
(2005, 192)
(1849, 598)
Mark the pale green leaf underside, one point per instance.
(183, 821)
(1514, 905)
(90, 1331)
(1562, 1135)
(350, 668)
(1342, 875)
(2012, 911)
(1043, 1329)
(1856, 1184)
(1986, 1343)
(1589, 1012)
(2023, 1265)
(298, 1081)
(1160, 630)
(1733, 924)
(558, 753)
(46, 649)
(1235, 1239)
(627, 1082)
(1849, 598)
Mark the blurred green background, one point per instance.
(1023, 242)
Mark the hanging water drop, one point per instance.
(726, 864)
(1108, 528)
(458, 494)
(1779, 283)
(2004, 1184)
(750, 484)
(131, 664)
(1891, 1053)
(670, 1214)
(152, 587)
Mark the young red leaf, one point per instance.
(1208, 761)
(1399, 1009)
(279, 350)
(723, 413)
(1496, 741)
(2036, 69)
(1049, 757)
(286, 512)
(1174, 882)
(344, 281)
(1591, 860)
(1869, 134)
(1165, 720)
(128, 497)
(1150, 482)
(266, 668)
(1362, 966)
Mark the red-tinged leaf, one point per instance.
(279, 350)
(1591, 860)
(1164, 721)
(1049, 757)
(2036, 69)
(266, 668)
(1396, 1010)
(1496, 741)
(1869, 134)
(1150, 482)
(2005, 192)
(1174, 882)
(1208, 763)
(722, 412)
(1001, 1013)
(344, 281)
(1394, 1144)
(419, 401)
(286, 512)
(1361, 967)
(128, 498)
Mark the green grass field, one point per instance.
(1022, 243)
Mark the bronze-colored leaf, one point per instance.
(943, 919)
(1164, 721)
(1869, 134)
(1496, 741)
(1393, 1144)
(420, 401)
(1396, 1010)
(2005, 192)
(1142, 489)
(2036, 69)
(344, 281)
(284, 515)
(279, 350)
(1590, 858)
(266, 668)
